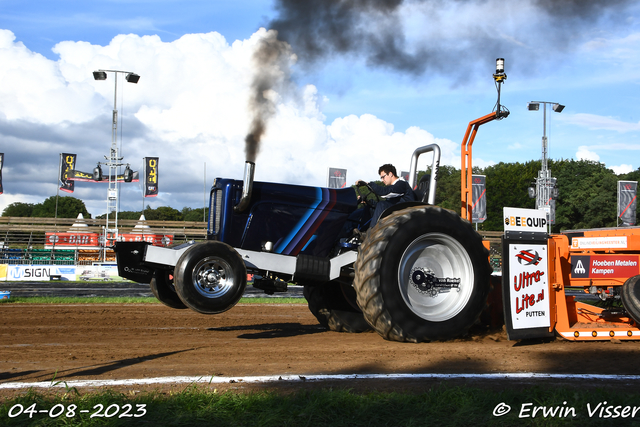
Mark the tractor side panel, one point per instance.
(295, 219)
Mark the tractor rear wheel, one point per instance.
(422, 274)
(630, 296)
(163, 289)
(335, 307)
(210, 277)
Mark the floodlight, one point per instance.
(97, 173)
(99, 75)
(533, 106)
(128, 174)
(132, 77)
(558, 108)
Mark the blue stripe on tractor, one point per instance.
(296, 229)
(295, 246)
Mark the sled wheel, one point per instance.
(210, 277)
(163, 289)
(422, 274)
(334, 305)
(630, 296)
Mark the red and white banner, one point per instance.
(154, 239)
(94, 240)
(72, 241)
(604, 266)
(528, 280)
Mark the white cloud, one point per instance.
(584, 153)
(593, 122)
(189, 108)
(622, 169)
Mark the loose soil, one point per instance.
(110, 341)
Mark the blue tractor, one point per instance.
(421, 273)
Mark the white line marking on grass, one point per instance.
(303, 378)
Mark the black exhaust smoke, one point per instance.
(272, 60)
(374, 31)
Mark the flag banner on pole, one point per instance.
(150, 176)
(1, 163)
(76, 175)
(627, 192)
(337, 178)
(67, 164)
(479, 196)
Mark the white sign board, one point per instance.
(22, 273)
(618, 242)
(530, 220)
(528, 279)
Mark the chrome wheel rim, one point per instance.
(440, 256)
(213, 277)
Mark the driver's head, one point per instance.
(387, 174)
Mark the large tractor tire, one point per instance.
(335, 307)
(163, 289)
(422, 274)
(630, 296)
(210, 277)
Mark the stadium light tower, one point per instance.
(113, 161)
(545, 189)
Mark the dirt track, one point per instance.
(103, 341)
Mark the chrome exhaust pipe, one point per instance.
(247, 187)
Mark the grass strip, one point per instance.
(132, 300)
(440, 405)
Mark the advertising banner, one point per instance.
(627, 191)
(337, 178)
(1, 163)
(530, 220)
(150, 176)
(67, 164)
(97, 271)
(23, 273)
(529, 286)
(154, 239)
(479, 196)
(71, 241)
(604, 266)
(76, 175)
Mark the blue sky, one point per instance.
(343, 108)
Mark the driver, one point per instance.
(395, 190)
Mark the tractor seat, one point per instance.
(422, 190)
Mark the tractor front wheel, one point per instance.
(163, 289)
(210, 277)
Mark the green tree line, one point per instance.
(587, 196)
(587, 192)
(70, 207)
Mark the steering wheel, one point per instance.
(366, 199)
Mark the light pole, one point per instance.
(546, 189)
(113, 161)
